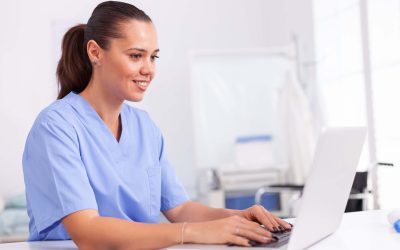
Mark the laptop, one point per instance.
(326, 191)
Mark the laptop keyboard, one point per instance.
(281, 239)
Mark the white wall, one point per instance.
(28, 52)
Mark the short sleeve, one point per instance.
(172, 191)
(55, 177)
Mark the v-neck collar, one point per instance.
(91, 117)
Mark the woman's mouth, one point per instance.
(142, 84)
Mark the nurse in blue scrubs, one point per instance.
(95, 168)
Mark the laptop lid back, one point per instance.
(328, 186)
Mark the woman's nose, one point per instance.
(147, 68)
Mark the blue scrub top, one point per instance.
(72, 161)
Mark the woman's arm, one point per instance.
(196, 212)
(91, 231)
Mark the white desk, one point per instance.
(360, 230)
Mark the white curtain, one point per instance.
(295, 129)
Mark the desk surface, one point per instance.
(360, 230)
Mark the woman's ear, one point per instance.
(94, 52)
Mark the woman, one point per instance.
(95, 168)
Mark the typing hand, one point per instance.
(231, 230)
(261, 215)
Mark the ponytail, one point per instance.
(74, 69)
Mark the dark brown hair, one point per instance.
(74, 69)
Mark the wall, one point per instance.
(28, 53)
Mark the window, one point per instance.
(340, 77)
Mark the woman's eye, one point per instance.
(154, 58)
(135, 56)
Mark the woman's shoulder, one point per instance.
(57, 113)
(136, 112)
(139, 115)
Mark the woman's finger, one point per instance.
(251, 235)
(279, 222)
(238, 240)
(284, 224)
(255, 227)
(263, 216)
(271, 218)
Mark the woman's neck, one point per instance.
(106, 106)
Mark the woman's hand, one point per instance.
(231, 230)
(261, 215)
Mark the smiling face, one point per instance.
(126, 68)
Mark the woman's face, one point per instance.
(127, 67)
